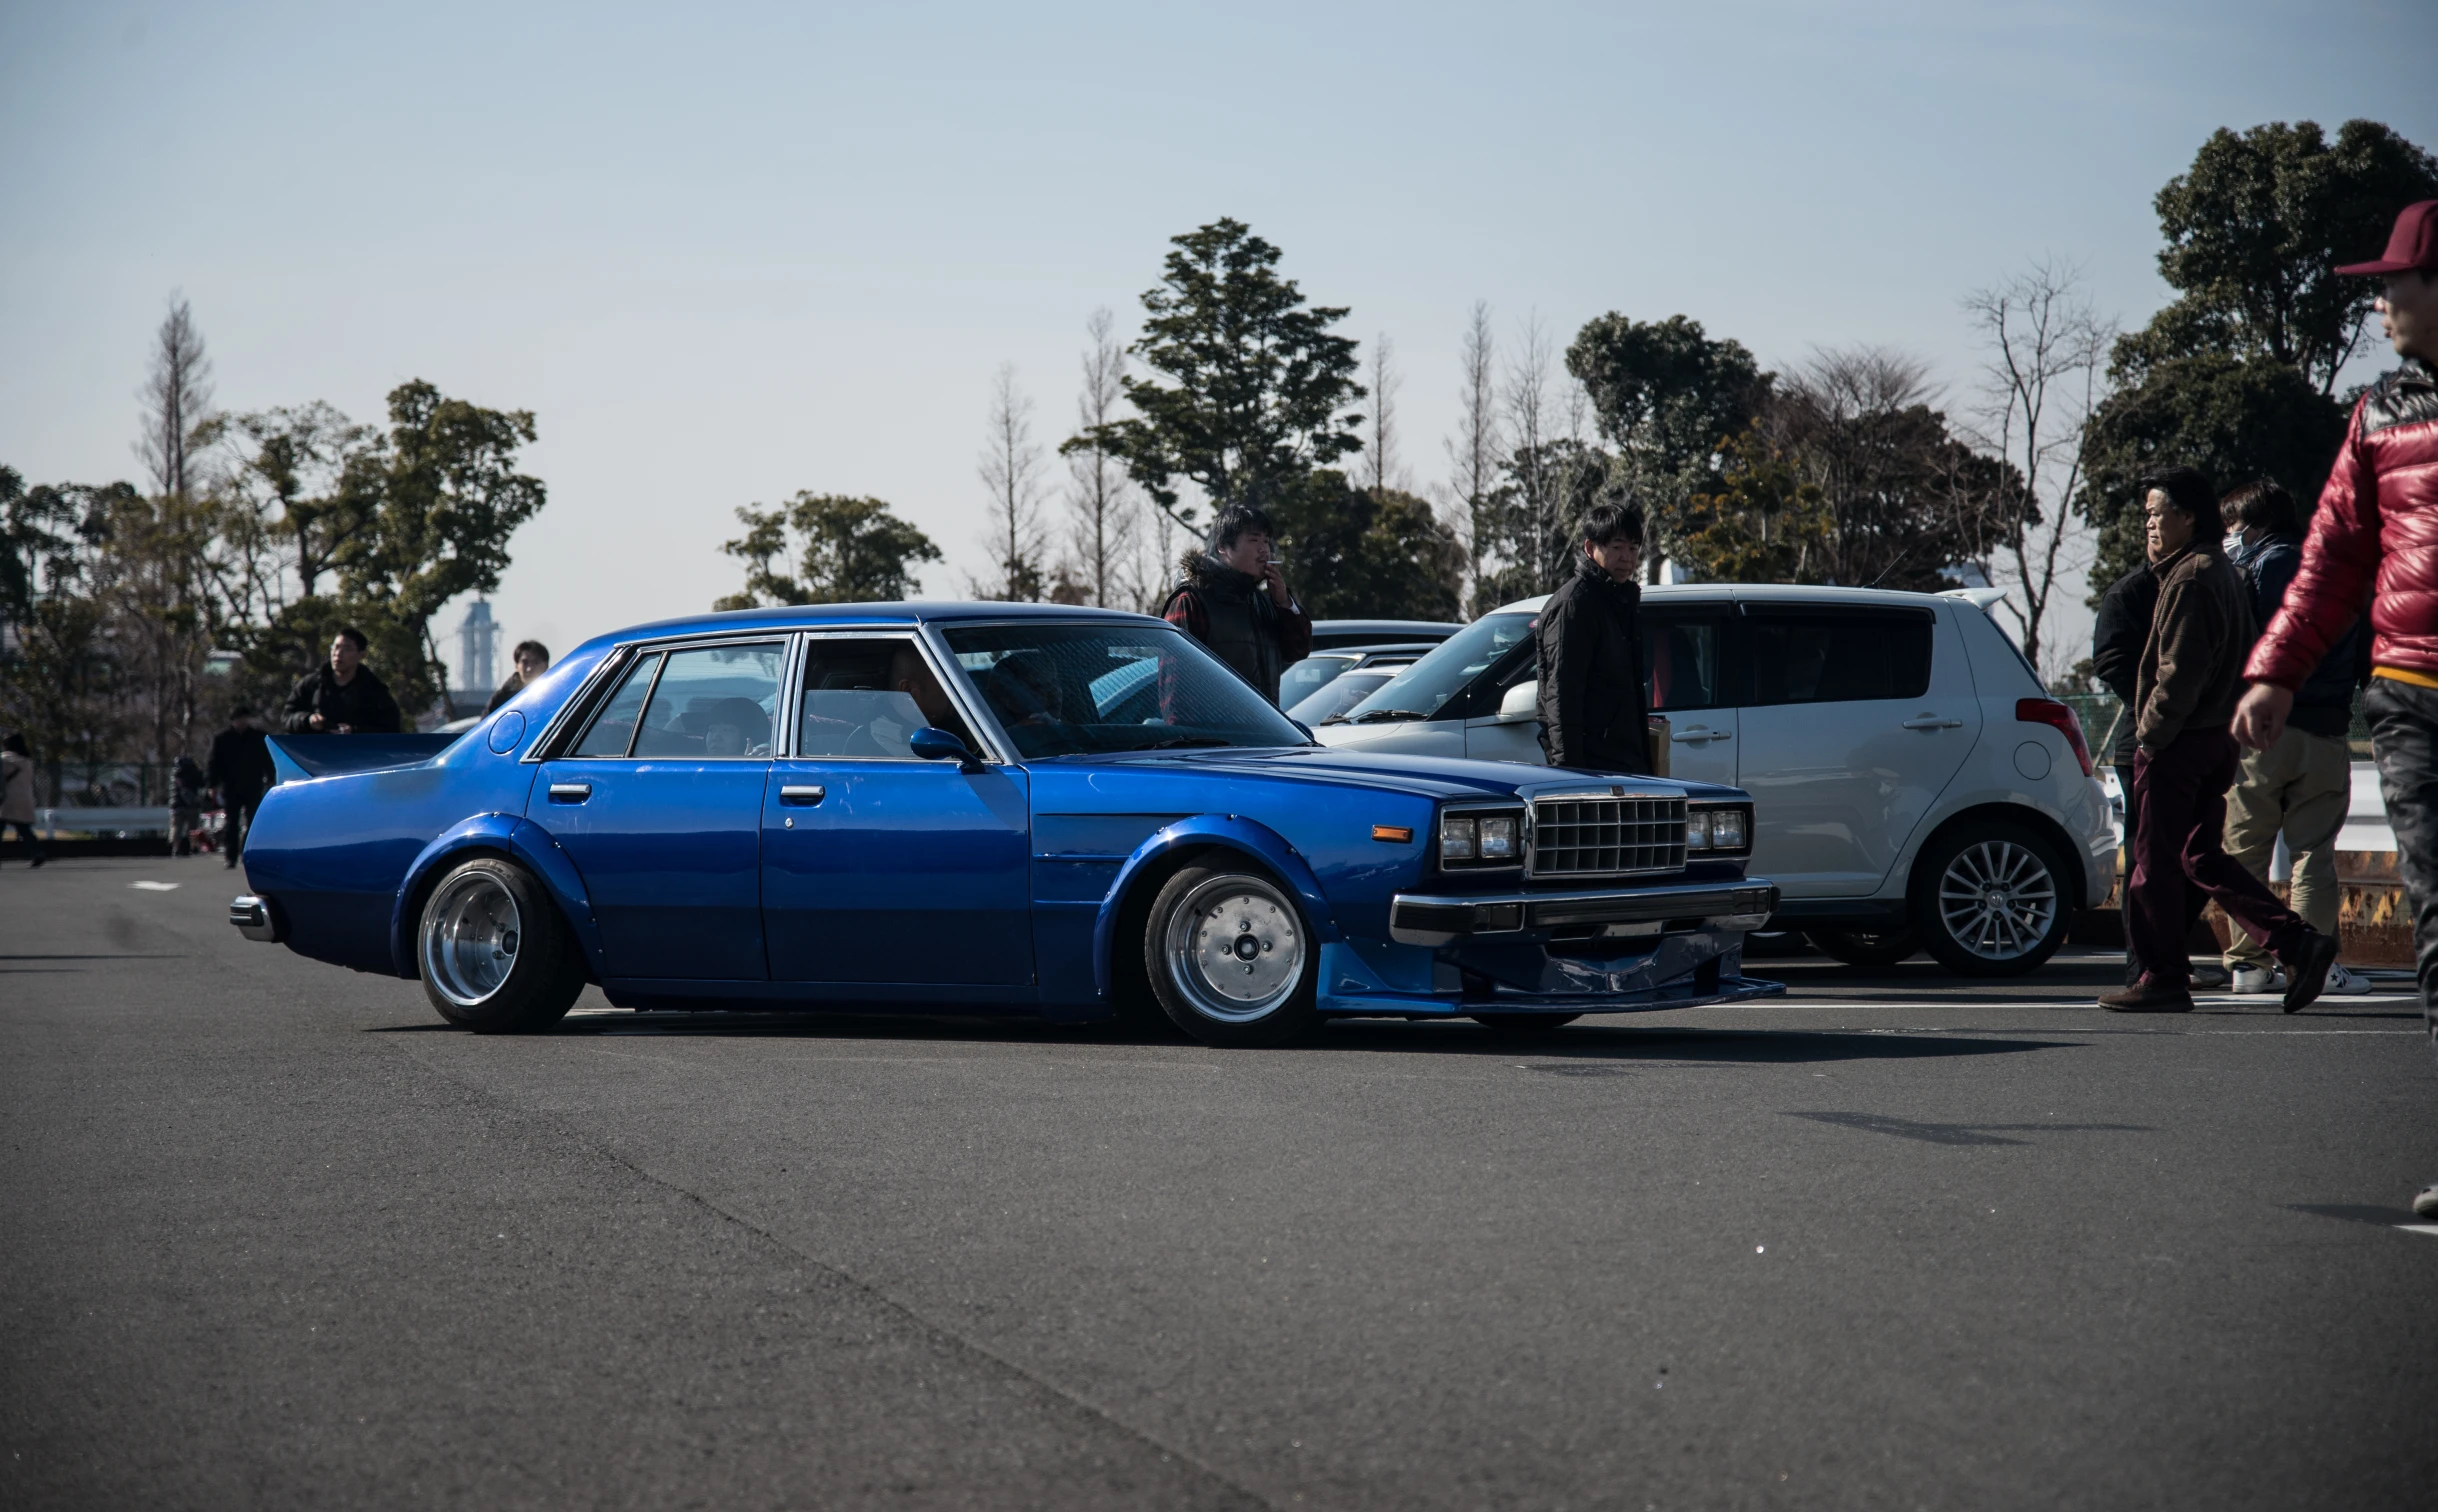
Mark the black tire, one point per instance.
(1523, 1025)
(1991, 899)
(1187, 943)
(1866, 947)
(494, 952)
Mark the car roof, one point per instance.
(1769, 593)
(918, 612)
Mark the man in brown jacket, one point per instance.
(2184, 698)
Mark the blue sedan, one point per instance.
(1068, 812)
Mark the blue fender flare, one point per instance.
(524, 841)
(1227, 832)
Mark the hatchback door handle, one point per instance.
(1932, 722)
(802, 794)
(1701, 735)
(570, 792)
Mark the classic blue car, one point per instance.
(1069, 812)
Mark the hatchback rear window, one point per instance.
(1840, 658)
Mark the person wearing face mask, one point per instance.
(2184, 697)
(1234, 600)
(2374, 545)
(2302, 786)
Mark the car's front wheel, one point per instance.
(495, 954)
(1991, 899)
(1230, 957)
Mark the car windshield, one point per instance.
(1309, 676)
(1079, 690)
(1337, 697)
(1419, 690)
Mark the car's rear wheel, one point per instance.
(495, 954)
(1523, 1023)
(1991, 899)
(1866, 947)
(1230, 957)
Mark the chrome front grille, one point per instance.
(1607, 836)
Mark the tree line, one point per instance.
(1854, 466)
(137, 615)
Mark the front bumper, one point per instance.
(1445, 919)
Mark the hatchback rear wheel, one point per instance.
(1991, 899)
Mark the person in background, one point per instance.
(186, 797)
(2185, 693)
(342, 697)
(2302, 785)
(532, 660)
(1590, 633)
(2116, 659)
(2374, 545)
(17, 794)
(240, 768)
(1234, 600)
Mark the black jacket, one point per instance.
(1231, 613)
(364, 704)
(1592, 712)
(507, 690)
(2116, 648)
(2323, 705)
(240, 766)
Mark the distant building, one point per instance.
(478, 650)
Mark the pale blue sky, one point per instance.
(726, 253)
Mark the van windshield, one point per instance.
(1420, 690)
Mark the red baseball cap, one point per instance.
(2413, 244)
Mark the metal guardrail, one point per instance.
(101, 823)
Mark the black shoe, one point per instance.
(2147, 998)
(2209, 976)
(2307, 974)
(2425, 1202)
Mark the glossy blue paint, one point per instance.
(915, 883)
(903, 871)
(671, 852)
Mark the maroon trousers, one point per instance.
(2177, 844)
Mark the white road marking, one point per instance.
(2419, 1228)
(154, 886)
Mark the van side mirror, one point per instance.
(935, 744)
(1523, 701)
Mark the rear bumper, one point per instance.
(1443, 919)
(256, 918)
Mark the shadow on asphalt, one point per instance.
(1575, 1049)
(2350, 1212)
(1962, 1134)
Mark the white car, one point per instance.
(1915, 786)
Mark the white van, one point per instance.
(1915, 787)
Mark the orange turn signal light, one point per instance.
(1395, 834)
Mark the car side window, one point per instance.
(714, 702)
(864, 697)
(613, 729)
(1681, 662)
(1844, 657)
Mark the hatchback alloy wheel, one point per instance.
(1998, 900)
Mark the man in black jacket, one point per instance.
(343, 697)
(241, 769)
(1234, 600)
(1592, 714)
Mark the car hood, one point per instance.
(1436, 777)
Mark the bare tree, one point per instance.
(1102, 508)
(2044, 372)
(1533, 464)
(177, 402)
(1474, 452)
(1010, 467)
(1380, 445)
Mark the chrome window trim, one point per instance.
(584, 703)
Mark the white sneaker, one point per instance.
(2257, 981)
(2350, 983)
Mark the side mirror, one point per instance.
(935, 744)
(1523, 701)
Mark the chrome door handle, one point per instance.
(1701, 735)
(1931, 722)
(570, 792)
(802, 794)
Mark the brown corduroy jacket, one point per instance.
(2192, 665)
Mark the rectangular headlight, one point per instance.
(1456, 837)
(1697, 829)
(1498, 838)
(1727, 829)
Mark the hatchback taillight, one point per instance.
(2049, 711)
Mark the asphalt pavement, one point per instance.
(271, 1235)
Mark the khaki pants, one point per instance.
(2303, 786)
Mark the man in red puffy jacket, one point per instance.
(2374, 544)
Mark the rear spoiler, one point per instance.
(1983, 599)
(298, 757)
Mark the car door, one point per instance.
(879, 867)
(1688, 676)
(658, 803)
(1857, 716)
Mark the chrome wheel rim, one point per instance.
(471, 931)
(1998, 900)
(1235, 949)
